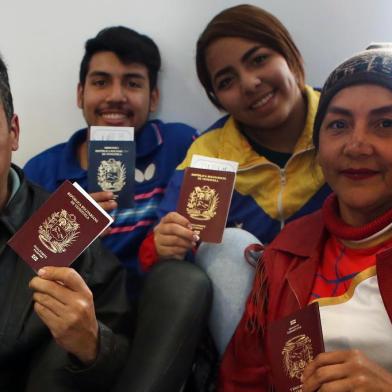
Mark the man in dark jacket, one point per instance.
(65, 328)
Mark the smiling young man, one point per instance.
(118, 87)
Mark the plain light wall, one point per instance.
(42, 42)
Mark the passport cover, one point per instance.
(60, 230)
(111, 167)
(292, 342)
(205, 198)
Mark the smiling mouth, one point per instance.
(262, 102)
(114, 116)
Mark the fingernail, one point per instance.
(196, 237)
(41, 272)
(189, 226)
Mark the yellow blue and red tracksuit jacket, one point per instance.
(265, 196)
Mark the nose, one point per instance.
(358, 142)
(250, 81)
(116, 93)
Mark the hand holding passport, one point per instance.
(111, 166)
(292, 342)
(206, 194)
(53, 237)
(61, 229)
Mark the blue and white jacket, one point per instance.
(160, 147)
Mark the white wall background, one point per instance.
(42, 42)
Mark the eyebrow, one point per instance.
(338, 110)
(382, 110)
(249, 53)
(133, 75)
(346, 112)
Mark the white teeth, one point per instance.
(114, 116)
(262, 101)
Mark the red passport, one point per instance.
(293, 342)
(205, 201)
(61, 229)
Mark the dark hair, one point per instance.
(252, 23)
(128, 45)
(5, 92)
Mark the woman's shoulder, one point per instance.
(209, 141)
(301, 235)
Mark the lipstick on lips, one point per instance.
(359, 174)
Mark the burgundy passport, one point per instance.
(61, 229)
(205, 201)
(292, 342)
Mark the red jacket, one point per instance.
(289, 265)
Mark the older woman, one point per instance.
(340, 256)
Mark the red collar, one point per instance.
(342, 230)
(302, 236)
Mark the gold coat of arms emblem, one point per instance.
(59, 231)
(202, 203)
(111, 175)
(297, 353)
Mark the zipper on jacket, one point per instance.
(282, 174)
(250, 167)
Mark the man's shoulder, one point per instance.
(51, 152)
(176, 131)
(28, 198)
(42, 168)
(210, 138)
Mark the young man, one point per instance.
(118, 87)
(65, 328)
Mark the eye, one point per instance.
(259, 59)
(385, 123)
(224, 83)
(99, 82)
(337, 124)
(134, 84)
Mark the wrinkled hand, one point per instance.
(106, 201)
(340, 371)
(173, 236)
(65, 304)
